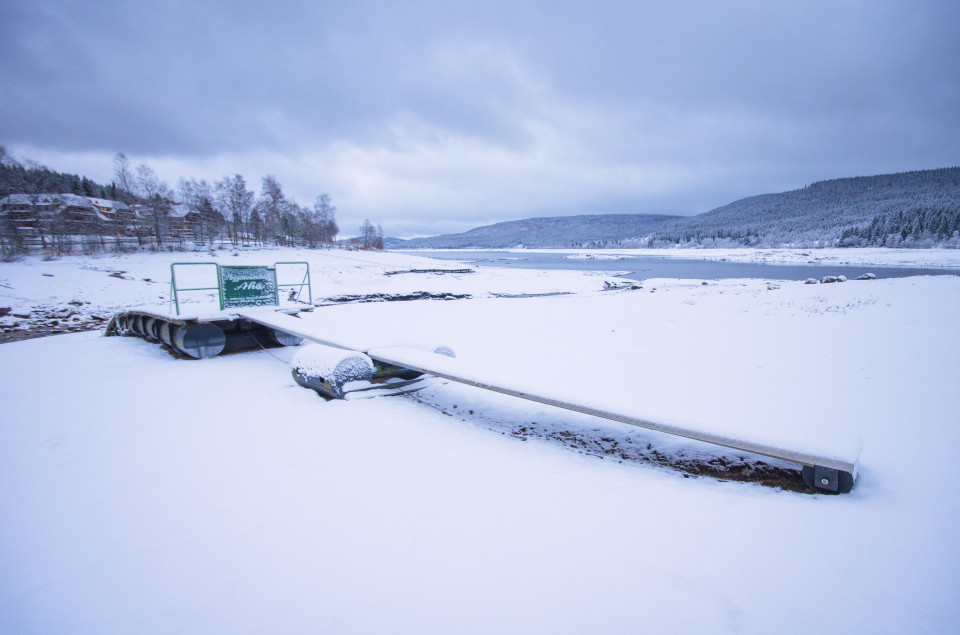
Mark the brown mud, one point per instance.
(73, 317)
(741, 467)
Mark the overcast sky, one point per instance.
(435, 117)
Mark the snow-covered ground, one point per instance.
(68, 293)
(142, 493)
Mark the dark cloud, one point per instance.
(435, 113)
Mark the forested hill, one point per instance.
(564, 231)
(907, 209)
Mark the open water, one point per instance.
(643, 267)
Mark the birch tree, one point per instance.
(235, 202)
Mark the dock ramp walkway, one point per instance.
(830, 473)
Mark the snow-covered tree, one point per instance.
(235, 202)
(155, 201)
(271, 204)
(326, 219)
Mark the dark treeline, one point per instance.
(42, 208)
(917, 227)
(908, 209)
(30, 177)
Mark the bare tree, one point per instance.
(235, 202)
(256, 226)
(211, 219)
(41, 216)
(290, 226)
(271, 206)
(367, 234)
(61, 227)
(124, 178)
(309, 231)
(326, 219)
(156, 201)
(198, 197)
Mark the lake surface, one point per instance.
(643, 267)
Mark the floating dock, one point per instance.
(336, 367)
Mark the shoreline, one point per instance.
(872, 256)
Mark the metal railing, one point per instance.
(176, 290)
(304, 282)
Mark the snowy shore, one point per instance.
(877, 257)
(143, 493)
(79, 292)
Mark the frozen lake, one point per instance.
(645, 266)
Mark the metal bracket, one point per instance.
(826, 480)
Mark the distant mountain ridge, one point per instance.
(911, 209)
(925, 203)
(588, 231)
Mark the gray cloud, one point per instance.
(437, 116)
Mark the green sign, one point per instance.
(243, 285)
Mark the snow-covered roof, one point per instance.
(175, 210)
(178, 210)
(101, 205)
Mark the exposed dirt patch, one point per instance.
(741, 468)
(44, 321)
(627, 449)
(391, 297)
